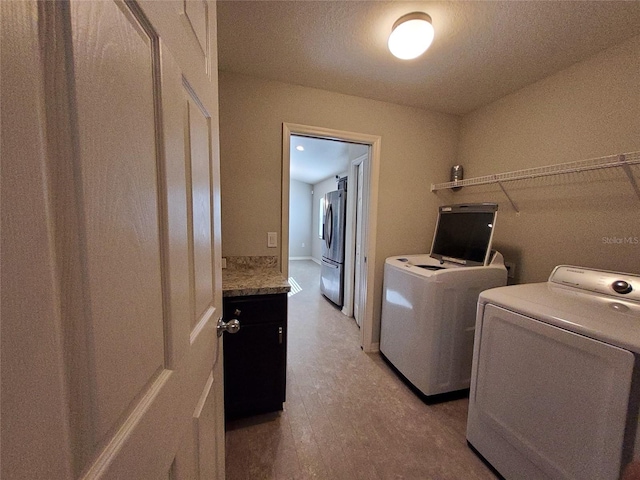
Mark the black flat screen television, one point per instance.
(464, 233)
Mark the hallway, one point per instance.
(347, 415)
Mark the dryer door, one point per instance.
(545, 402)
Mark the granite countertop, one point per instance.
(252, 276)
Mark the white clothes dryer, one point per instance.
(555, 388)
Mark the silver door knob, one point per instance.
(232, 326)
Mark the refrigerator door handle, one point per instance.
(328, 221)
(324, 219)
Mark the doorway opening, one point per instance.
(359, 163)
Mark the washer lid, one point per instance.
(606, 318)
(422, 265)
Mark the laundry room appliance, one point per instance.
(333, 235)
(555, 388)
(429, 300)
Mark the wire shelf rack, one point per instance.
(624, 161)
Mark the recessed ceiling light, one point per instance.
(300, 148)
(411, 35)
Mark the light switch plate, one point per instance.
(272, 239)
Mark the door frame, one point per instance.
(374, 142)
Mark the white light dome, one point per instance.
(411, 35)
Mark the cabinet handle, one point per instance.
(280, 335)
(237, 312)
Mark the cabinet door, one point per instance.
(254, 364)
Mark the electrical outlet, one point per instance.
(272, 239)
(224, 262)
(511, 269)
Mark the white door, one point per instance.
(358, 294)
(111, 280)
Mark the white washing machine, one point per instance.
(428, 318)
(555, 387)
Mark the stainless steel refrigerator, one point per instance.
(332, 271)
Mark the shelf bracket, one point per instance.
(508, 197)
(627, 170)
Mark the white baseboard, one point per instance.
(306, 258)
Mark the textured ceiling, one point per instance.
(321, 158)
(483, 50)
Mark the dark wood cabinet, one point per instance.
(255, 358)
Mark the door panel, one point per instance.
(207, 419)
(200, 145)
(196, 15)
(174, 202)
(184, 466)
(129, 219)
(119, 225)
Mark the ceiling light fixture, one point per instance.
(300, 148)
(411, 35)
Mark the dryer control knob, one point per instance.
(620, 286)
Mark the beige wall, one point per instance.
(417, 147)
(589, 110)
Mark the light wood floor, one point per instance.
(347, 415)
